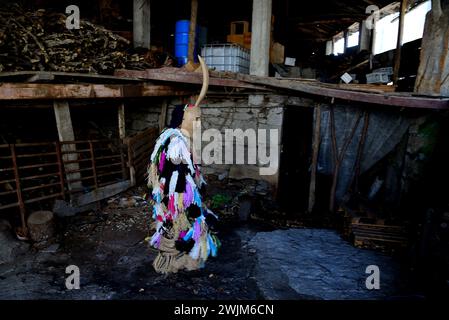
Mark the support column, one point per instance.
(397, 54)
(261, 37)
(121, 121)
(66, 133)
(192, 30)
(141, 23)
(364, 37)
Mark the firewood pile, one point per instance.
(39, 41)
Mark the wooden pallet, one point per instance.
(378, 235)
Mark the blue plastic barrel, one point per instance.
(182, 42)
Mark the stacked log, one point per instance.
(40, 226)
(40, 41)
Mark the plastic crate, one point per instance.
(226, 57)
(377, 77)
(387, 70)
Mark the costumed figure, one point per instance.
(183, 223)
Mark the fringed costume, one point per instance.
(182, 221)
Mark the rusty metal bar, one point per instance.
(108, 157)
(8, 206)
(19, 192)
(75, 151)
(76, 161)
(38, 165)
(43, 186)
(31, 144)
(8, 181)
(109, 165)
(123, 162)
(94, 170)
(55, 195)
(60, 167)
(53, 174)
(36, 155)
(110, 173)
(81, 179)
(5, 157)
(85, 141)
(8, 192)
(79, 170)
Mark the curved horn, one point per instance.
(205, 81)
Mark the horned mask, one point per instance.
(192, 113)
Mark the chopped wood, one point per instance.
(39, 41)
(40, 225)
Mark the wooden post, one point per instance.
(192, 31)
(163, 115)
(345, 38)
(433, 72)
(315, 153)
(141, 23)
(397, 55)
(121, 121)
(66, 133)
(261, 38)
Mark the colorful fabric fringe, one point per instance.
(175, 182)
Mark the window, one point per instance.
(339, 40)
(353, 39)
(387, 28)
(339, 44)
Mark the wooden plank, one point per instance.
(175, 75)
(35, 91)
(397, 54)
(387, 99)
(100, 193)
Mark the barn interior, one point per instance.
(357, 93)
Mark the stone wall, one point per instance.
(253, 112)
(220, 113)
(142, 114)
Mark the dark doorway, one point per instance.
(295, 159)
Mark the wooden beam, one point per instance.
(100, 193)
(433, 71)
(35, 91)
(163, 115)
(192, 30)
(175, 75)
(397, 54)
(66, 133)
(387, 99)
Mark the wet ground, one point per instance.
(255, 262)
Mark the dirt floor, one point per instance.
(109, 247)
(114, 260)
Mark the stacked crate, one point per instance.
(226, 57)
